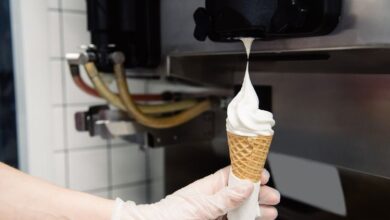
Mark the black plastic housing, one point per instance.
(129, 26)
(228, 20)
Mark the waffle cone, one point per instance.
(248, 155)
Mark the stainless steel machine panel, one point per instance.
(340, 119)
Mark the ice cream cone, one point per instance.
(248, 155)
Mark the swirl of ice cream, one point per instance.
(244, 116)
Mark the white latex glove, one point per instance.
(206, 199)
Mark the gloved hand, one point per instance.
(206, 199)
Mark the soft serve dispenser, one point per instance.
(227, 20)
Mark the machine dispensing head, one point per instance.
(228, 20)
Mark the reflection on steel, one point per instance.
(310, 182)
(366, 197)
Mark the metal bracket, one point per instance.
(106, 123)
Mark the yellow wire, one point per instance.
(102, 88)
(167, 107)
(164, 122)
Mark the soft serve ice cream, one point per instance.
(244, 116)
(246, 121)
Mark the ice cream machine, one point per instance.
(319, 65)
(126, 34)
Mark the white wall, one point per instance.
(50, 147)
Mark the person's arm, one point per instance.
(24, 197)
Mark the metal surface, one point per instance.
(77, 58)
(363, 23)
(203, 125)
(218, 69)
(366, 197)
(106, 123)
(340, 119)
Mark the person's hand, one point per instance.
(206, 199)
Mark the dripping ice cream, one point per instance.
(249, 131)
(244, 116)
